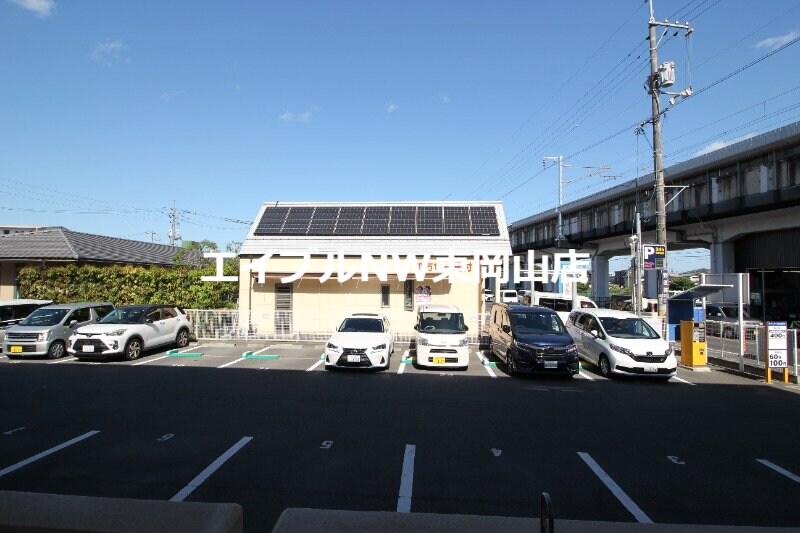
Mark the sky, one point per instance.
(113, 112)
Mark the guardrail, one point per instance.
(722, 342)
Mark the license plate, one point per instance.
(87, 348)
(551, 364)
(439, 360)
(353, 358)
(16, 349)
(651, 369)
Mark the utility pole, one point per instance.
(174, 232)
(663, 76)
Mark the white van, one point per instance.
(560, 303)
(441, 337)
(508, 296)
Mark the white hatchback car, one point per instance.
(619, 342)
(363, 340)
(130, 330)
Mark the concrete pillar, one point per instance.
(722, 258)
(599, 278)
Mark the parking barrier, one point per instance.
(250, 355)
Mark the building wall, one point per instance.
(318, 308)
(8, 281)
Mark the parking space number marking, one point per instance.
(496, 452)
(165, 437)
(674, 459)
(326, 444)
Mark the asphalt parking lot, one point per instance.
(275, 430)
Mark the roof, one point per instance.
(438, 308)
(701, 291)
(403, 228)
(77, 305)
(612, 313)
(62, 244)
(25, 301)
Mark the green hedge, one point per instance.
(127, 284)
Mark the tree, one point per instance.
(681, 283)
(233, 246)
(200, 246)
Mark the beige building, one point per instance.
(305, 266)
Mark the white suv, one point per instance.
(130, 330)
(363, 340)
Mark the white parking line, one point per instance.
(47, 452)
(406, 480)
(778, 469)
(262, 350)
(483, 364)
(676, 378)
(585, 376)
(402, 367)
(315, 365)
(239, 360)
(149, 360)
(615, 489)
(210, 469)
(65, 360)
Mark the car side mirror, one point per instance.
(466, 328)
(72, 323)
(506, 328)
(148, 320)
(595, 333)
(416, 327)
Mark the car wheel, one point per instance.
(133, 349)
(605, 366)
(56, 350)
(182, 340)
(511, 366)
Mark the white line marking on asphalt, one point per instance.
(65, 360)
(402, 367)
(232, 362)
(585, 376)
(778, 469)
(615, 489)
(190, 348)
(45, 453)
(149, 360)
(487, 368)
(315, 365)
(406, 480)
(10, 431)
(210, 469)
(676, 378)
(262, 350)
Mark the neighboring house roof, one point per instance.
(463, 228)
(62, 244)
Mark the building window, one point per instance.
(384, 296)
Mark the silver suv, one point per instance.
(47, 330)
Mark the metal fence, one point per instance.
(316, 326)
(723, 343)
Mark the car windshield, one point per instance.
(124, 315)
(628, 328)
(362, 325)
(45, 317)
(447, 323)
(537, 323)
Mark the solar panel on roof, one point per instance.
(484, 221)
(297, 221)
(323, 222)
(403, 220)
(456, 221)
(429, 220)
(271, 221)
(350, 221)
(376, 220)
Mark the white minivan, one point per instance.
(619, 342)
(508, 296)
(560, 303)
(441, 337)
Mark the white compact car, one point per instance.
(441, 337)
(363, 340)
(619, 342)
(130, 330)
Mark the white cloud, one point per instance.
(41, 8)
(391, 107)
(719, 145)
(109, 52)
(304, 116)
(171, 95)
(772, 43)
(444, 98)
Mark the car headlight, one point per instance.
(422, 342)
(572, 350)
(379, 347)
(668, 352)
(43, 336)
(331, 346)
(462, 342)
(116, 332)
(620, 349)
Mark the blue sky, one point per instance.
(113, 110)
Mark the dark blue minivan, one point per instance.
(531, 340)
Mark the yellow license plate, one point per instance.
(16, 349)
(439, 360)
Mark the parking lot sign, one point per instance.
(776, 345)
(653, 256)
